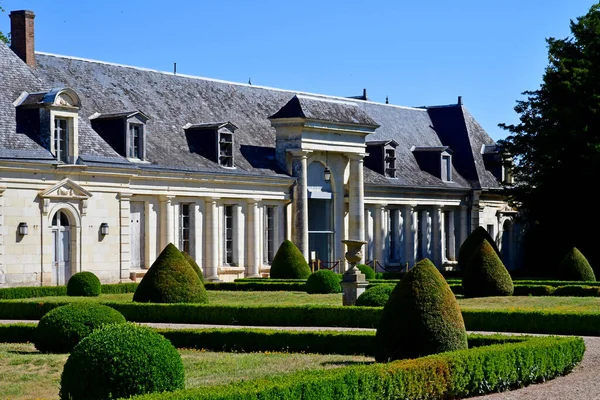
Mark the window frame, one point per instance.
(185, 230)
(446, 167)
(269, 234)
(62, 153)
(228, 218)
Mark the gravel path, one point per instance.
(583, 383)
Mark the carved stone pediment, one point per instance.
(66, 189)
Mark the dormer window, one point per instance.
(214, 141)
(497, 163)
(124, 131)
(446, 168)
(52, 118)
(382, 157)
(436, 160)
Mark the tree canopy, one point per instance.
(555, 148)
(3, 37)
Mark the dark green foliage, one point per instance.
(84, 283)
(257, 286)
(485, 274)
(121, 360)
(323, 281)
(62, 328)
(421, 317)
(533, 290)
(289, 263)
(375, 296)
(471, 243)
(17, 333)
(451, 375)
(194, 265)
(367, 271)
(170, 279)
(575, 267)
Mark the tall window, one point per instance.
(135, 140)
(393, 223)
(269, 233)
(390, 163)
(184, 228)
(61, 139)
(226, 149)
(228, 211)
(446, 169)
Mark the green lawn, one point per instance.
(28, 374)
(531, 303)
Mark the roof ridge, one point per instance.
(295, 92)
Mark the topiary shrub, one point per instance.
(194, 265)
(375, 296)
(471, 243)
(366, 270)
(486, 275)
(575, 267)
(289, 263)
(170, 279)
(421, 317)
(84, 283)
(63, 327)
(323, 281)
(119, 361)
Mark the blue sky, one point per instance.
(416, 52)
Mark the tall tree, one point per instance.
(556, 149)
(3, 37)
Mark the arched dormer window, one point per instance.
(52, 115)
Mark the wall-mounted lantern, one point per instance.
(327, 174)
(104, 229)
(23, 228)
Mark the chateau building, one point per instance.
(102, 165)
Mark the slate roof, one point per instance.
(172, 101)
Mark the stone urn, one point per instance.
(353, 282)
(354, 254)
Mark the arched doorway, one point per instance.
(61, 247)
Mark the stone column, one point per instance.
(451, 236)
(379, 235)
(239, 230)
(124, 232)
(253, 236)
(437, 231)
(475, 210)
(409, 224)
(198, 207)
(397, 229)
(300, 202)
(356, 198)
(151, 227)
(166, 218)
(212, 240)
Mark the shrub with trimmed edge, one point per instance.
(323, 281)
(194, 265)
(421, 317)
(375, 296)
(119, 361)
(289, 263)
(84, 283)
(471, 243)
(575, 267)
(170, 279)
(366, 270)
(486, 275)
(62, 328)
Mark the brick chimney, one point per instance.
(21, 35)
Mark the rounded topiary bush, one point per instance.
(289, 263)
(486, 275)
(366, 270)
(119, 361)
(170, 279)
(84, 283)
(194, 265)
(471, 243)
(323, 281)
(421, 317)
(575, 267)
(60, 329)
(375, 296)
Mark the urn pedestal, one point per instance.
(353, 282)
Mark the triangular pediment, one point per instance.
(66, 189)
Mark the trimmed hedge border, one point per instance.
(25, 292)
(458, 374)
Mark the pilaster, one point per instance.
(166, 218)
(198, 244)
(253, 238)
(212, 240)
(356, 197)
(124, 232)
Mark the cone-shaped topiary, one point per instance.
(84, 283)
(120, 361)
(60, 329)
(471, 243)
(170, 279)
(375, 296)
(194, 265)
(366, 270)
(289, 263)
(575, 267)
(485, 274)
(323, 281)
(421, 317)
